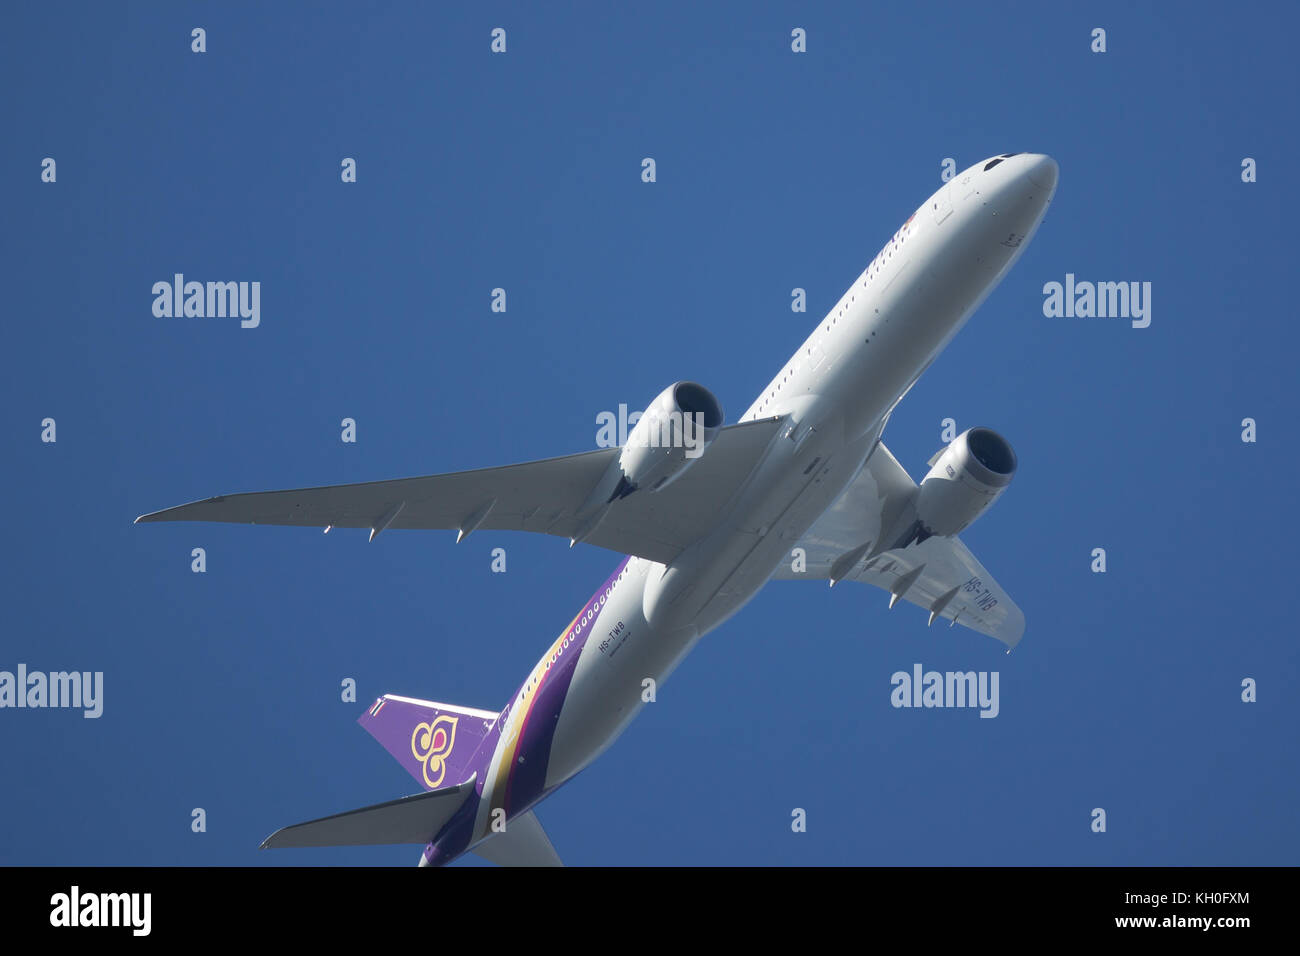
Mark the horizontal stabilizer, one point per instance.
(523, 843)
(414, 819)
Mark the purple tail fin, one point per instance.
(436, 743)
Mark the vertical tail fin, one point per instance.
(436, 743)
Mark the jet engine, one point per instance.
(965, 478)
(672, 433)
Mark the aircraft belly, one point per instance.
(813, 498)
(719, 576)
(608, 688)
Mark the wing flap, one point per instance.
(941, 575)
(938, 574)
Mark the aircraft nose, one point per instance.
(1042, 171)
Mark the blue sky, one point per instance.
(775, 170)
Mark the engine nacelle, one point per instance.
(967, 477)
(672, 433)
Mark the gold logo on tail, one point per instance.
(431, 743)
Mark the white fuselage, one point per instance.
(835, 394)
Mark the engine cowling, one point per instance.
(671, 435)
(967, 477)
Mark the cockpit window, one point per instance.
(991, 163)
(1008, 155)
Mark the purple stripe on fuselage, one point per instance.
(525, 781)
(453, 839)
(528, 776)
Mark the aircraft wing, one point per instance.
(540, 496)
(938, 574)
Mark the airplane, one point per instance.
(801, 487)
